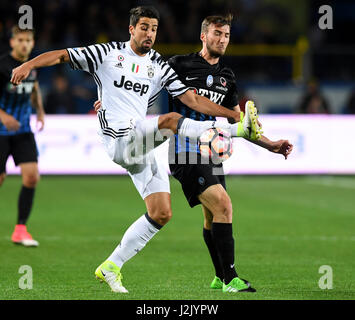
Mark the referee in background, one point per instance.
(16, 137)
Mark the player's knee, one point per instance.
(31, 180)
(162, 216)
(224, 208)
(165, 216)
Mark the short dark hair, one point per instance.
(16, 30)
(142, 12)
(217, 20)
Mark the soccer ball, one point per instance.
(216, 144)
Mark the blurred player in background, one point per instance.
(129, 76)
(205, 183)
(16, 137)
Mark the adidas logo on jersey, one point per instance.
(129, 85)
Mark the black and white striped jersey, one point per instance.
(127, 83)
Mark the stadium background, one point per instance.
(295, 50)
(295, 224)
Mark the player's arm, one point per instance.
(193, 100)
(6, 119)
(283, 147)
(37, 103)
(46, 59)
(206, 106)
(9, 121)
(236, 109)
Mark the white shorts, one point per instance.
(129, 144)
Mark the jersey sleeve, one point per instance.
(91, 57)
(170, 80)
(174, 63)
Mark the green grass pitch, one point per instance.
(285, 228)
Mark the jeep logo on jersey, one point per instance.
(129, 85)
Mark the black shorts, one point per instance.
(196, 178)
(21, 146)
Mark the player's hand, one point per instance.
(40, 121)
(283, 147)
(20, 73)
(10, 122)
(97, 105)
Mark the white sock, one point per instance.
(134, 240)
(193, 129)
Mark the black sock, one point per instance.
(222, 235)
(207, 236)
(25, 201)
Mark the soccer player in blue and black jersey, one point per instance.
(16, 137)
(204, 183)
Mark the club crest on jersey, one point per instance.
(150, 71)
(223, 81)
(209, 81)
(135, 68)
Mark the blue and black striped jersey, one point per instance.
(215, 82)
(15, 100)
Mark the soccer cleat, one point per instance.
(238, 285)
(111, 274)
(216, 283)
(250, 128)
(21, 236)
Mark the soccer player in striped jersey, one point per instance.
(204, 183)
(16, 137)
(129, 76)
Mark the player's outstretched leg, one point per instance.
(247, 128)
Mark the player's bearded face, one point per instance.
(144, 34)
(217, 40)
